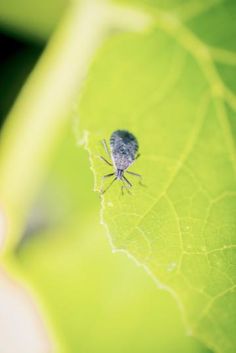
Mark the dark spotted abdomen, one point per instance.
(124, 147)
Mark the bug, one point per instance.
(123, 152)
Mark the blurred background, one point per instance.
(25, 29)
(61, 288)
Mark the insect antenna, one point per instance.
(124, 186)
(105, 177)
(108, 187)
(127, 181)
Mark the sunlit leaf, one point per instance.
(95, 300)
(166, 88)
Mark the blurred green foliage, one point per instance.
(31, 19)
(17, 60)
(174, 87)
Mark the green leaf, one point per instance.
(96, 301)
(166, 86)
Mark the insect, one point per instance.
(123, 152)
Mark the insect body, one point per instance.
(124, 148)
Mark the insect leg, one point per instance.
(105, 160)
(137, 175)
(107, 176)
(104, 177)
(108, 187)
(138, 155)
(104, 143)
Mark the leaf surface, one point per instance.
(173, 87)
(96, 301)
